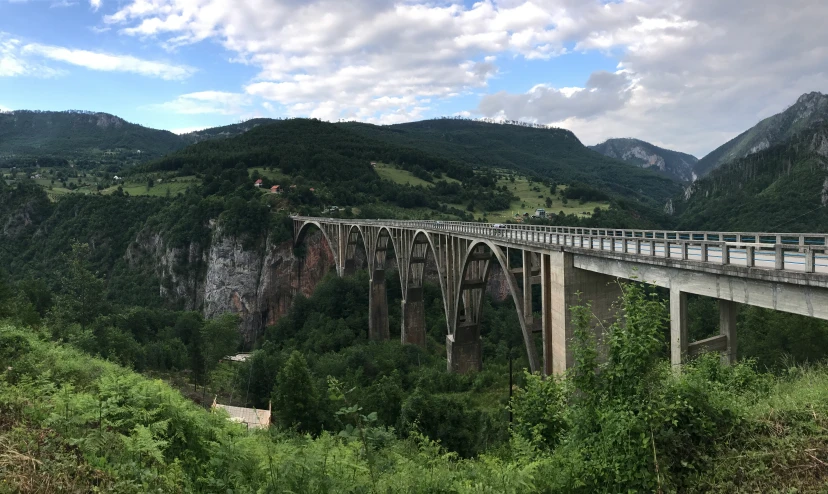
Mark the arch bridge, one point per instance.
(786, 272)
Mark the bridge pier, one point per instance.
(728, 311)
(464, 349)
(413, 331)
(378, 308)
(561, 284)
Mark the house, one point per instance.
(275, 190)
(239, 357)
(258, 183)
(373, 163)
(251, 417)
(312, 189)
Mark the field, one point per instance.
(400, 176)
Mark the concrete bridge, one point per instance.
(786, 272)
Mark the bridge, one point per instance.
(785, 272)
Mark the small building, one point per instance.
(258, 183)
(312, 189)
(250, 417)
(373, 163)
(239, 357)
(276, 189)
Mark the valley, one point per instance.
(127, 296)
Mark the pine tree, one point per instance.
(294, 395)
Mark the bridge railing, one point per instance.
(780, 251)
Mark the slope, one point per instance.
(783, 188)
(552, 153)
(225, 131)
(674, 164)
(809, 110)
(79, 134)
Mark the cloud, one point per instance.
(206, 102)
(62, 4)
(109, 62)
(187, 130)
(4, 109)
(701, 72)
(604, 91)
(374, 60)
(12, 63)
(95, 4)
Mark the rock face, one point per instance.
(259, 284)
(810, 110)
(673, 163)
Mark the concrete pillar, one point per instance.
(560, 284)
(378, 308)
(465, 349)
(678, 327)
(413, 318)
(727, 326)
(350, 267)
(527, 286)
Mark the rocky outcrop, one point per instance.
(645, 155)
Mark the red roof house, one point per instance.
(258, 183)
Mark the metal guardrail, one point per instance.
(799, 252)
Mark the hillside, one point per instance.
(782, 188)
(553, 153)
(674, 164)
(225, 131)
(79, 134)
(809, 110)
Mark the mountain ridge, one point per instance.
(674, 164)
(810, 109)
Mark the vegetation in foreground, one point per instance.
(76, 423)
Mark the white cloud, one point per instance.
(4, 109)
(109, 62)
(205, 102)
(375, 60)
(12, 63)
(692, 73)
(95, 4)
(62, 4)
(702, 71)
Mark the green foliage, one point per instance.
(295, 395)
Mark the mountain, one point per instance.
(548, 152)
(225, 131)
(782, 188)
(672, 163)
(80, 134)
(809, 110)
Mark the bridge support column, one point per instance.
(678, 327)
(727, 327)
(378, 307)
(413, 317)
(350, 267)
(560, 284)
(465, 349)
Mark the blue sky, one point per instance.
(685, 75)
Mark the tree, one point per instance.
(81, 300)
(220, 338)
(294, 395)
(548, 202)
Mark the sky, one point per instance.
(687, 75)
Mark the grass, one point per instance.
(400, 176)
(532, 196)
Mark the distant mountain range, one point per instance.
(83, 134)
(810, 109)
(672, 163)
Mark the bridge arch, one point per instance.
(463, 341)
(418, 247)
(353, 241)
(330, 236)
(378, 240)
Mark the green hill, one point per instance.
(79, 134)
(783, 188)
(556, 154)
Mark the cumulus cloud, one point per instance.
(204, 102)
(604, 91)
(700, 71)
(95, 4)
(373, 60)
(109, 62)
(691, 74)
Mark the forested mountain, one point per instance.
(225, 131)
(79, 134)
(672, 163)
(809, 110)
(548, 152)
(782, 188)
